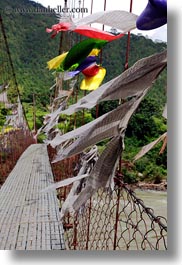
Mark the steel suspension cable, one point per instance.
(101, 56)
(126, 67)
(12, 67)
(91, 8)
(128, 40)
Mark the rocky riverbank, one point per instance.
(151, 186)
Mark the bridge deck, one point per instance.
(29, 220)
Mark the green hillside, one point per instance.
(31, 47)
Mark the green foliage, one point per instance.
(161, 124)
(152, 166)
(129, 176)
(3, 113)
(155, 174)
(83, 118)
(114, 53)
(147, 123)
(75, 121)
(104, 107)
(41, 138)
(12, 92)
(2, 119)
(40, 113)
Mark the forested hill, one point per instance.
(31, 47)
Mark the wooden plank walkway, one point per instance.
(29, 220)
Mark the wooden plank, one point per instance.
(29, 220)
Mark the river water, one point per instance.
(157, 200)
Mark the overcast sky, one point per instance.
(98, 5)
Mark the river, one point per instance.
(157, 200)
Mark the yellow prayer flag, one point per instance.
(55, 62)
(92, 83)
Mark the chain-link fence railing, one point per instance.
(12, 145)
(112, 219)
(116, 220)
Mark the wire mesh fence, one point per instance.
(116, 220)
(112, 219)
(12, 145)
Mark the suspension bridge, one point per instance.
(30, 218)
